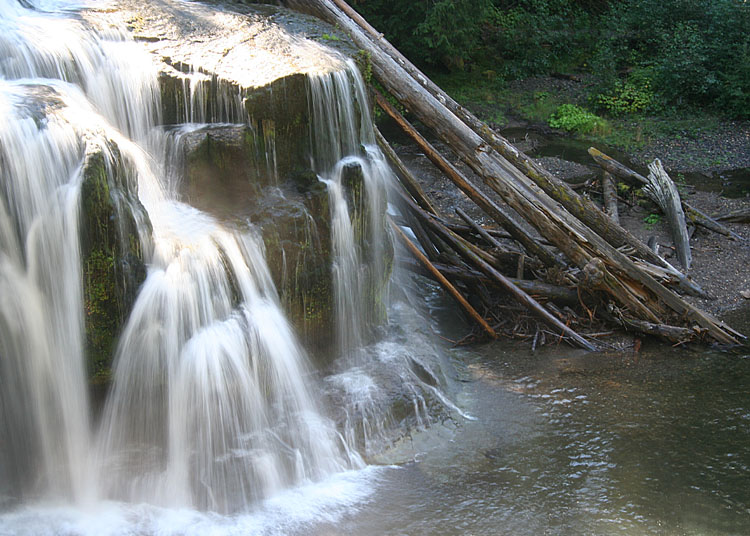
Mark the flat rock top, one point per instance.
(250, 46)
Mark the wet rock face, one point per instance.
(243, 73)
(230, 174)
(112, 256)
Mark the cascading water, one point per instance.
(344, 148)
(211, 405)
(42, 379)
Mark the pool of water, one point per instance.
(564, 442)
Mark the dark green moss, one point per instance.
(112, 258)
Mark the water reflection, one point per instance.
(574, 443)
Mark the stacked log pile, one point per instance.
(577, 269)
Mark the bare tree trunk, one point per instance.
(610, 196)
(624, 172)
(485, 203)
(663, 191)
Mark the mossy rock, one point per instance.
(297, 236)
(113, 267)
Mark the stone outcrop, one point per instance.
(243, 74)
(230, 175)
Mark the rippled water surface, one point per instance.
(573, 443)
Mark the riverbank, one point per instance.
(696, 141)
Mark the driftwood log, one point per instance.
(609, 193)
(662, 190)
(485, 203)
(736, 216)
(438, 276)
(574, 225)
(474, 257)
(538, 290)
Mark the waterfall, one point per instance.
(42, 380)
(344, 150)
(213, 404)
(209, 407)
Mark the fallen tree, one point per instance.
(588, 238)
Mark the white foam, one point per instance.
(294, 511)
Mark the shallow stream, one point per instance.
(565, 442)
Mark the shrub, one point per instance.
(434, 32)
(633, 95)
(696, 54)
(574, 118)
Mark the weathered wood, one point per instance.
(443, 281)
(610, 196)
(428, 244)
(519, 295)
(537, 289)
(465, 230)
(693, 214)
(636, 291)
(500, 258)
(470, 253)
(478, 228)
(482, 200)
(675, 334)
(676, 280)
(662, 190)
(736, 216)
(405, 177)
(582, 208)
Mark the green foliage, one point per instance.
(575, 119)
(696, 53)
(364, 63)
(652, 219)
(540, 107)
(629, 96)
(531, 37)
(649, 55)
(330, 37)
(442, 33)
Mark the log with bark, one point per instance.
(485, 203)
(404, 175)
(586, 236)
(538, 290)
(443, 281)
(474, 257)
(736, 216)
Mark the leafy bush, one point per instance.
(574, 118)
(696, 51)
(442, 33)
(629, 96)
(652, 219)
(531, 37)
